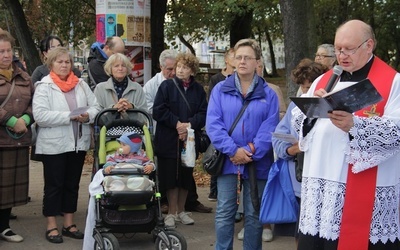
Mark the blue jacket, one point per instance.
(256, 125)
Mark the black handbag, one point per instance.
(203, 141)
(201, 137)
(213, 160)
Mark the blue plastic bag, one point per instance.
(278, 203)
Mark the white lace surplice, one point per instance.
(328, 153)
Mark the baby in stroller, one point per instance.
(124, 196)
(130, 151)
(129, 155)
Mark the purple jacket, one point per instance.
(256, 125)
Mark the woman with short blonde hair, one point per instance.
(117, 57)
(119, 91)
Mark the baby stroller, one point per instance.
(128, 207)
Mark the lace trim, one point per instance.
(298, 118)
(376, 139)
(322, 205)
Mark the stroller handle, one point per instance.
(115, 111)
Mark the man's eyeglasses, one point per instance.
(245, 58)
(322, 56)
(349, 52)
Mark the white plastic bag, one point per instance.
(188, 154)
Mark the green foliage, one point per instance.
(58, 17)
(382, 15)
(72, 20)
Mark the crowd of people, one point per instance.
(349, 185)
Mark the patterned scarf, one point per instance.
(67, 85)
(120, 86)
(252, 85)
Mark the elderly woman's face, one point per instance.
(6, 55)
(119, 70)
(182, 71)
(62, 66)
(323, 57)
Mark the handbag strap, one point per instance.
(9, 94)
(183, 95)
(246, 103)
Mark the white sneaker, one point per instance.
(241, 234)
(12, 238)
(169, 220)
(184, 218)
(267, 235)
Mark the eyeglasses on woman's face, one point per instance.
(245, 58)
(349, 52)
(322, 56)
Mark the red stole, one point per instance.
(360, 187)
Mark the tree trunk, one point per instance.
(187, 44)
(24, 36)
(158, 10)
(297, 36)
(241, 27)
(274, 72)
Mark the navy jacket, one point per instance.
(169, 108)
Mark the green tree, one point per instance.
(23, 34)
(267, 27)
(72, 20)
(382, 15)
(299, 36)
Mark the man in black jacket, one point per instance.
(99, 53)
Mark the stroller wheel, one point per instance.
(178, 242)
(110, 242)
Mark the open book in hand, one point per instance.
(349, 99)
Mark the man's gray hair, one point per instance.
(167, 54)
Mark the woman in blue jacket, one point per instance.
(249, 145)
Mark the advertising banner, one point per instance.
(130, 20)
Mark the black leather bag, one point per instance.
(213, 160)
(202, 141)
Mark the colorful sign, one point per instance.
(130, 20)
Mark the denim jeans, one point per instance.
(226, 210)
(213, 185)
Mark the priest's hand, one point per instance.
(342, 120)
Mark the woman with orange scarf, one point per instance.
(63, 107)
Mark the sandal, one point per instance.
(54, 238)
(75, 234)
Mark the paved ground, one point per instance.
(32, 225)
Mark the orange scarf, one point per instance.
(67, 85)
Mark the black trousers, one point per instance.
(62, 174)
(308, 242)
